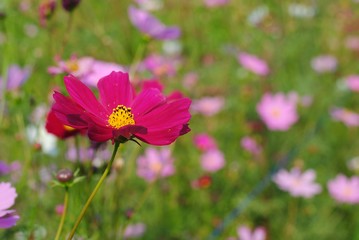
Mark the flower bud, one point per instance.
(46, 10)
(65, 175)
(70, 5)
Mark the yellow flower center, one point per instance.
(121, 116)
(72, 65)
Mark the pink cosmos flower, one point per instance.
(119, 114)
(134, 230)
(352, 82)
(245, 233)
(8, 218)
(324, 63)
(155, 164)
(208, 106)
(212, 160)
(277, 111)
(253, 63)
(215, 3)
(160, 65)
(87, 69)
(250, 144)
(349, 118)
(204, 142)
(298, 184)
(344, 190)
(16, 77)
(151, 26)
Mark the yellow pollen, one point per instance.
(68, 128)
(72, 65)
(121, 116)
(276, 112)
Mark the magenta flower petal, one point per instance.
(99, 133)
(115, 89)
(68, 112)
(83, 96)
(146, 101)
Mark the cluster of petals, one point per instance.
(324, 63)
(253, 63)
(151, 26)
(246, 233)
(250, 144)
(87, 69)
(348, 117)
(277, 111)
(344, 189)
(159, 65)
(8, 218)
(352, 82)
(297, 183)
(155, 164)
(16, 77)
(208, 106)
(119, 114)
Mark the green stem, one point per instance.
(62, 221)
(138, 55)
(97, 187)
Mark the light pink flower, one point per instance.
(134, 230)
(352, 82)
(349, 118)
(87, 69)
(277, 111)
(215, 3)
(160, 65)
(296, 183)
(204, 142)
(344, 190)
(8, 218)
(324, 63)
(245, 233)
(208, 106)
(151, 26)
(155, 164)
(212, 160)
(250, 144)
(253, 63)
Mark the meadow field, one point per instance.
(179, 120)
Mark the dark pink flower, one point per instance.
(8, 218)
(204, 142)
(121, 115)
(151, 26)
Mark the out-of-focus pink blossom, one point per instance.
(46, 11)
(352, 82)
(87, 69)
(215, 3)
(349, 118)
(207, 106)
(59, 209)
(204, 142)
(160, 65)
(245, 233)
(253, 63)
(134, 230)
(344, 190)
(324, 63)
(250, 144)
(155, 164)
(8, 218)
(212, 160)
(190, 80)
(296, 183)
(277, 111)
(352, 42)
(151, 26)
(16, 77)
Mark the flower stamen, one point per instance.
(121, 116)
